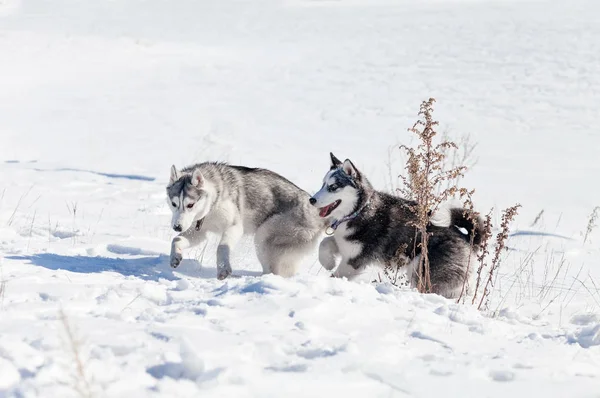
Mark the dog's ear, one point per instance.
(174, 175)
(335, 162)
(350, 169)
(197, 178)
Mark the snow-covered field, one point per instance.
(98, 99)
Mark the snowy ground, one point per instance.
(98, 99)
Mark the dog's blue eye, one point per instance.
(190, 205)
(174, 204)
(333, 187)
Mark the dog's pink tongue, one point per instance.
(323, 211)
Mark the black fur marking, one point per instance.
(343, 180)
(463, 219)
(335, 162)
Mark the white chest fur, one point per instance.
(348, 249)
(221, 216)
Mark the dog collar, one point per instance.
(331, 229)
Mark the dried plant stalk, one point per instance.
(508, 216)
(591, 223)
(426, 174)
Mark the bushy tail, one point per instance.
(471, 222)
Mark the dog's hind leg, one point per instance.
(285, 260)
(281, 247)
(228, 240)
(328, 251)
(263, 241)
(450, 264)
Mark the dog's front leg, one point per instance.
(185, 240)
(230, 237)
(328, 251)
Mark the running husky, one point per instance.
(372, 227)
(235, 200)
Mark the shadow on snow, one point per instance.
(108, 175)
(146, 268)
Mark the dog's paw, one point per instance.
(176, 259)
(327, 260)
(223, 272)
(327, 263)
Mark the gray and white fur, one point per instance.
(378, 229)
(234, 200)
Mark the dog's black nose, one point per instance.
(177, 228)
(312, 201)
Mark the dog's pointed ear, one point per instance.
(174, 175)
(335, 162)
(197, 178)
(350, 169)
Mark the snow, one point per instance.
(98, 99)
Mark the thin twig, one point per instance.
(11, 219)
(83, 386)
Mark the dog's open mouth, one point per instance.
(325, 211)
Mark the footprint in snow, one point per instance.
(319, 352)
(422, 336)
(502, 375)
(298, 368)
(442, 373)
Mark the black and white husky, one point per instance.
(234, 200)
(369, 227)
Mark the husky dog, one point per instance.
(235, 200)
(372, 227)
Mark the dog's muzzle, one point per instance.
(179, 228)
(312, 201)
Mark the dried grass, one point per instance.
(508, 215)
(81, 385)
(426, 174)
(591, 223)
(433, 171)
